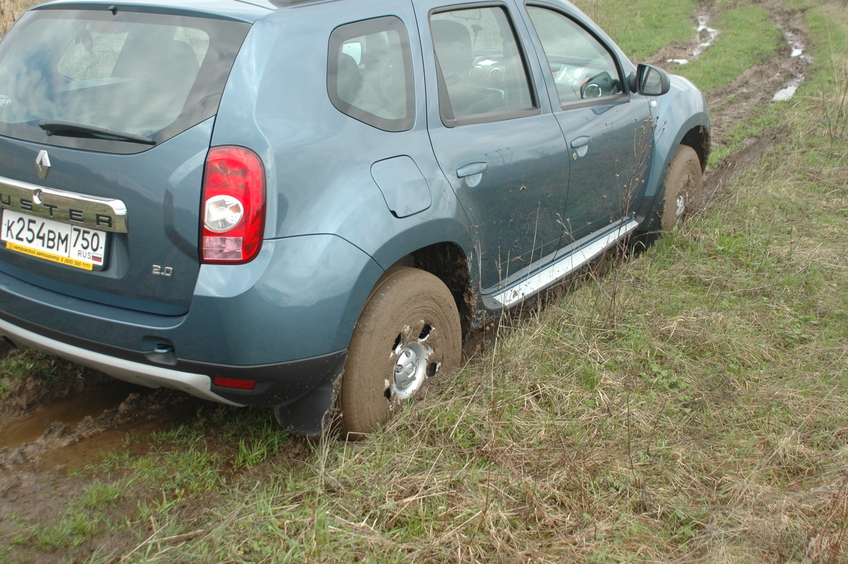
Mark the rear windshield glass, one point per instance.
(115, 83)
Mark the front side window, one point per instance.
(482, 71)
(582, 67)
(369, 73)
(87, 78)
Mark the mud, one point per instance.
(69, 412)
(757, 85)
(49, 429)
(63, 433)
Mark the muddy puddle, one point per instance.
(67, 412)
(132, 439)
(68, 433)
(705, 36)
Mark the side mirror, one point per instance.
(650, 81)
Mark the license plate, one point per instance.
(51, 240)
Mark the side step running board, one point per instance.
(579, 256)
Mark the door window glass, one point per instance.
(482, 71)
(582, 67)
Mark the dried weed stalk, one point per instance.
(827, 542)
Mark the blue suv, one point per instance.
(306, 204)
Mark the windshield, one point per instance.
(138, 75)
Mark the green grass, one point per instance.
(827, 91)
(641, 27)
(31, 364)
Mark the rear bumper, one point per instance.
(283, 321)
(151, 376)
(276, 384)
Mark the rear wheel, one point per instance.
(683, 187)
(408, 333)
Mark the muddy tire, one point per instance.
(683, 188)
(408, 333)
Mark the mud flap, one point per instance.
(310, 415)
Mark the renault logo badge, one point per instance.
(42, 164)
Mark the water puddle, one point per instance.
(705, 36)
(796, 44)
(68, 411)
(789, 89)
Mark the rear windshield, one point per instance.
(112, 82)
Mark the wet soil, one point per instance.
(756, 86)
(51, 427)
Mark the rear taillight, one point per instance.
(233, 206)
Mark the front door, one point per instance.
(608, 132)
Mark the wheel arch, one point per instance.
(695, 134)
(699, 139)
(448, 262)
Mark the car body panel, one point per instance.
(609, 165)
(320, 173)
(515, 204)
(681, 110)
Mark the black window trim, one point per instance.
(445, 110)
(366, 27)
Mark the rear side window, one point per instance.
(369, 73)
(142, 76)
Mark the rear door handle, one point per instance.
(581, 144)
(471, 169)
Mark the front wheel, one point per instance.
(408, 332)
(683, 187)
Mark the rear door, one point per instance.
(494, 138)
(105, 122)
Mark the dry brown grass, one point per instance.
(10, 10)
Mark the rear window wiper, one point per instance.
(71, 129)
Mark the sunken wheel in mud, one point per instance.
(408, 332)
(683, 187)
